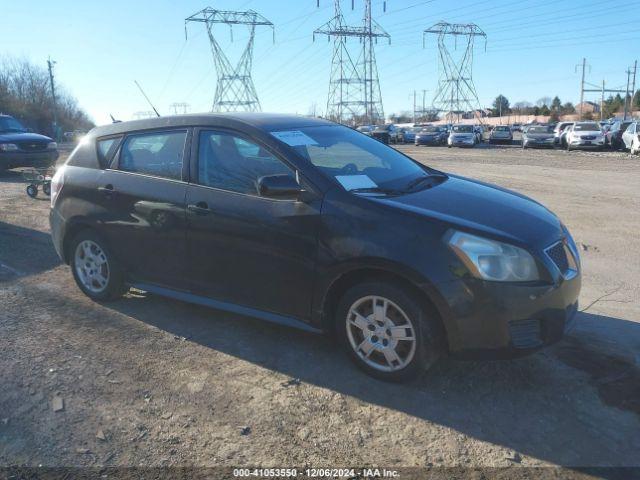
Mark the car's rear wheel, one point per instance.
(95, 270)
(387, 332)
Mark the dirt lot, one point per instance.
(148, 381)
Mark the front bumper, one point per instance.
(587, 144)
(428, 141)
(502, 320)
(44, 158)
(539, 144)
(462, 143)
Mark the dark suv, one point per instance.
(21, 148)
(306, 223)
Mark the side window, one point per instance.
(229, 162)
(106, 149)
(159, 154)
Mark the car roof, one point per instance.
(263, 121)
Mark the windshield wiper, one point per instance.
(417, 181)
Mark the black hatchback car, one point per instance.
(307, 223)
(21, 148)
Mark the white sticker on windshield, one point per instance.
(294, 138)
(351, 182)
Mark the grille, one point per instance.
(32, 146)
(525, 333)
(589, 137)
(558, 255)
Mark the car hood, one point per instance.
(23, 137)
(484, 208)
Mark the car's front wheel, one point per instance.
(95, 270)
(387, 332)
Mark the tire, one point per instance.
(32, 191)
(106, 282)
(414, 354)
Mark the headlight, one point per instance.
(8, 147)
(52, 146)
(492, 260)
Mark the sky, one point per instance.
(100, 48)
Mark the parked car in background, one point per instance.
(21, 148)
(585, 135)
(305, 223)
(385, 133)
(631, 138)
(366, 129)
(462, 135)
(409, 135)
(516, 127)
(432, 135)
(558, 132)
(538, 136)
(501, 134)
(614, 134)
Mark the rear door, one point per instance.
(243, 248)
(142, 198)
(627, 136)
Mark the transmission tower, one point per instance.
(354, 87)
(179, 107)
(456, 93)
(235, 90)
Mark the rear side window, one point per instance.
(106, 149)
(229, 162)
(157, 154)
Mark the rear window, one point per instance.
(156, 154)
(463, 128)
(502, 129)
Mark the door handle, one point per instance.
(200, 208)
(107, 190)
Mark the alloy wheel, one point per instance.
(92, 266)
(381, 333)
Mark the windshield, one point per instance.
(382, 128)
(430, 129)
(501, 129)
(462, 128)
(355, 161)
(539, 130)
(416, 129)
(10, 124)
(586, 127)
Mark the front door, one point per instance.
(243, 248)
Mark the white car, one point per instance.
(462, 136)
(585, 135)
(631, 138)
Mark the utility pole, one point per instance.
(633, 86)
(628, 97)
(424, 93)
(584, 66)
(50, 64)
(414, 107)
(602, 102)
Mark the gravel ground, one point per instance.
(146, 381)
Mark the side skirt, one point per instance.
(227, 307)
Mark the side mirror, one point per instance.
(281, 185)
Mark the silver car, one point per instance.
(462, 136)
(501, 134)
(538, 136)
(585, 135)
